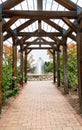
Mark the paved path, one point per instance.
(40, 106)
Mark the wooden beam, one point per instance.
(39, 4)
(39, 14)
(28, 45)
(39, 34)
(57, 27)
(65, 66)
(37, 43)
(54, 67)
(53, 24)
(68, 32)
(79, 54)
(9, 23)
(14, 66)
(58, 67)
(1, 58)
(10, 4)
(21, 27)
(25, 66)
(24, 25)
(23, 39)
(35, 48)
(70, 24)
(21, 64)
(11, 32)
(67, 4)
(29, 51)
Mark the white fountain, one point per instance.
(39, 69)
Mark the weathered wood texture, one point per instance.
(79, 51)
(1, 60)
(67, 4)
(21, 64)
(10, 3)
(14, 47)
(65, 66)
(25, 66)
(54, 66)
(39, 14)
(58, 67)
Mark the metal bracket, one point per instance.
(0, 12)
(63, 31)
(79, 10)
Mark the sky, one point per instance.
(50, 5)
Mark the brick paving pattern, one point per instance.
(40, 106)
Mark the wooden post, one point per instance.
(14, 57)
(65, 66)
(79, 54)
(1, 57)
(54, 67)
(21, 64)
(25, 67)
(58, 67)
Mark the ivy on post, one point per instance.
(21, 64)
(14, 64)
(79, 55)
(54, 67)
(58, 67)
(66, 90)
(1, 56)
(25, 66)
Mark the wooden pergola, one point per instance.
(59, 37)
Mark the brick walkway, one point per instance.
(40, 106)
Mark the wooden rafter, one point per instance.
(9, 23)
(21, 27)
(67, 4)
(29, 51)
(57, 27)
(39, 14)
(10, 3)
(70, 24)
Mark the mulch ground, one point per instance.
(72, 98)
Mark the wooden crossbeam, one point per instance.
(39, 14)
(40, 34)
(35, 48)
(70, 24)
(24, 38)
(8, 4)
(67, 4)
(9, 23)
(37, 43)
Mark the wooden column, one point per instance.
(14, 47)
(21, 64)
(1, 57)
(65, 66)
(25, 67)
(79, 52)
(54, 67)
(58, 67)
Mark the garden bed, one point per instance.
(72, 98)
